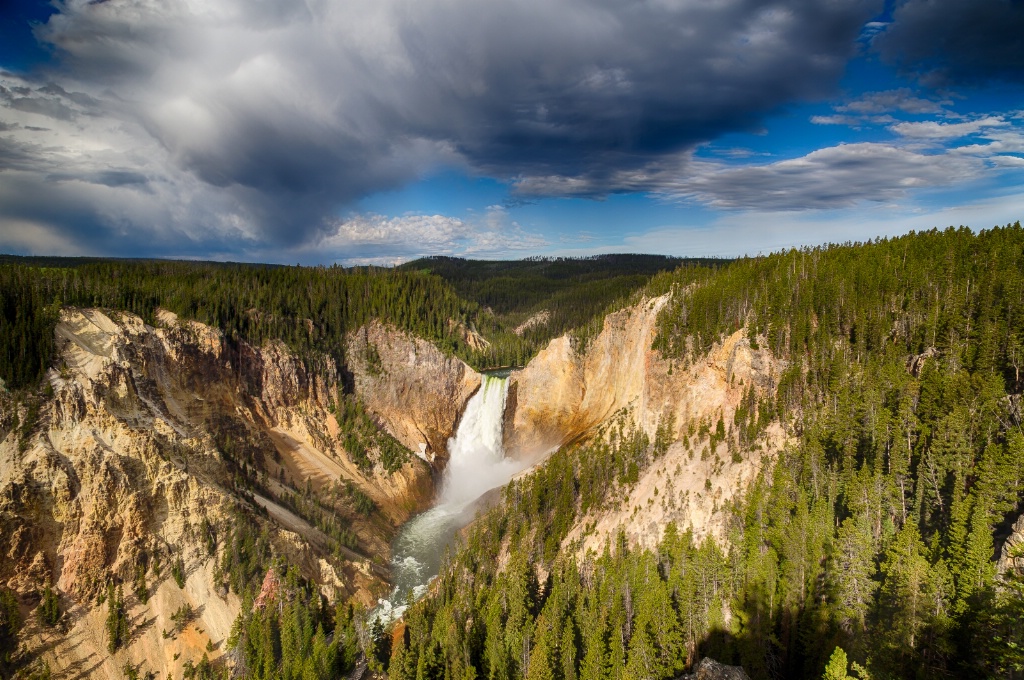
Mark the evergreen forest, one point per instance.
(312, 308)
(574, 293)
(871, 540)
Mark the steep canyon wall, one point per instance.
(155, 441)
(568, 393)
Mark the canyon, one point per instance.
(157, 438)
(154, 441)
(141, 453)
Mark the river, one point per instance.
(476, 464)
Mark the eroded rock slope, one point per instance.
(410, 386)
(568, 393)
(157, 442)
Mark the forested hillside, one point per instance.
(877, 531)
(308, 308)
(443, 300)
(558, 294)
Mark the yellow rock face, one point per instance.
(140, 446)
(413, 389)
(566, 394)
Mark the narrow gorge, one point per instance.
(566, 395)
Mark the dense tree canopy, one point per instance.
(875, 533)
(574, 292)
(311, 308)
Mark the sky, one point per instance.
(378, 131)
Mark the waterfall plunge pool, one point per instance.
(476, 464)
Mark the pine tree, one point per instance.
(544, 663)
(117, 625)
(378, 651)
(836, 668)
(49, 607)
(321, 664)
(403, 659)
(904, 590)
(851, 574)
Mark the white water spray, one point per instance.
(476, 459)
(476, 464)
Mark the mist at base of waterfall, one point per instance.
(476, 464)
(476, 458)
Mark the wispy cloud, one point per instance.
(888, 101)
(851, 121)
(833, 177)
(878, 108)
(378, 239)
(1007, 161)
(939, 130)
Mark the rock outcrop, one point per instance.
(709, 669)
(566, 394)
(155, 442)
(541, 318)
(1012, 554)
(413, 389)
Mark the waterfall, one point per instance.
(476, 459)
(476, 464)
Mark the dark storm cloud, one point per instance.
(593, 88)
(112, 218)
(248, 126)
(273, 115)
(957, 41)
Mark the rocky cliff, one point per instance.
(568, 393)
(709, 669)
(1011, 555)
(153, 443)
(412, 388)
(565, 392)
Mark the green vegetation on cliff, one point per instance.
(442, 300)
(574, 293)
(309, 308)
(876, 531)
(288, 631)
